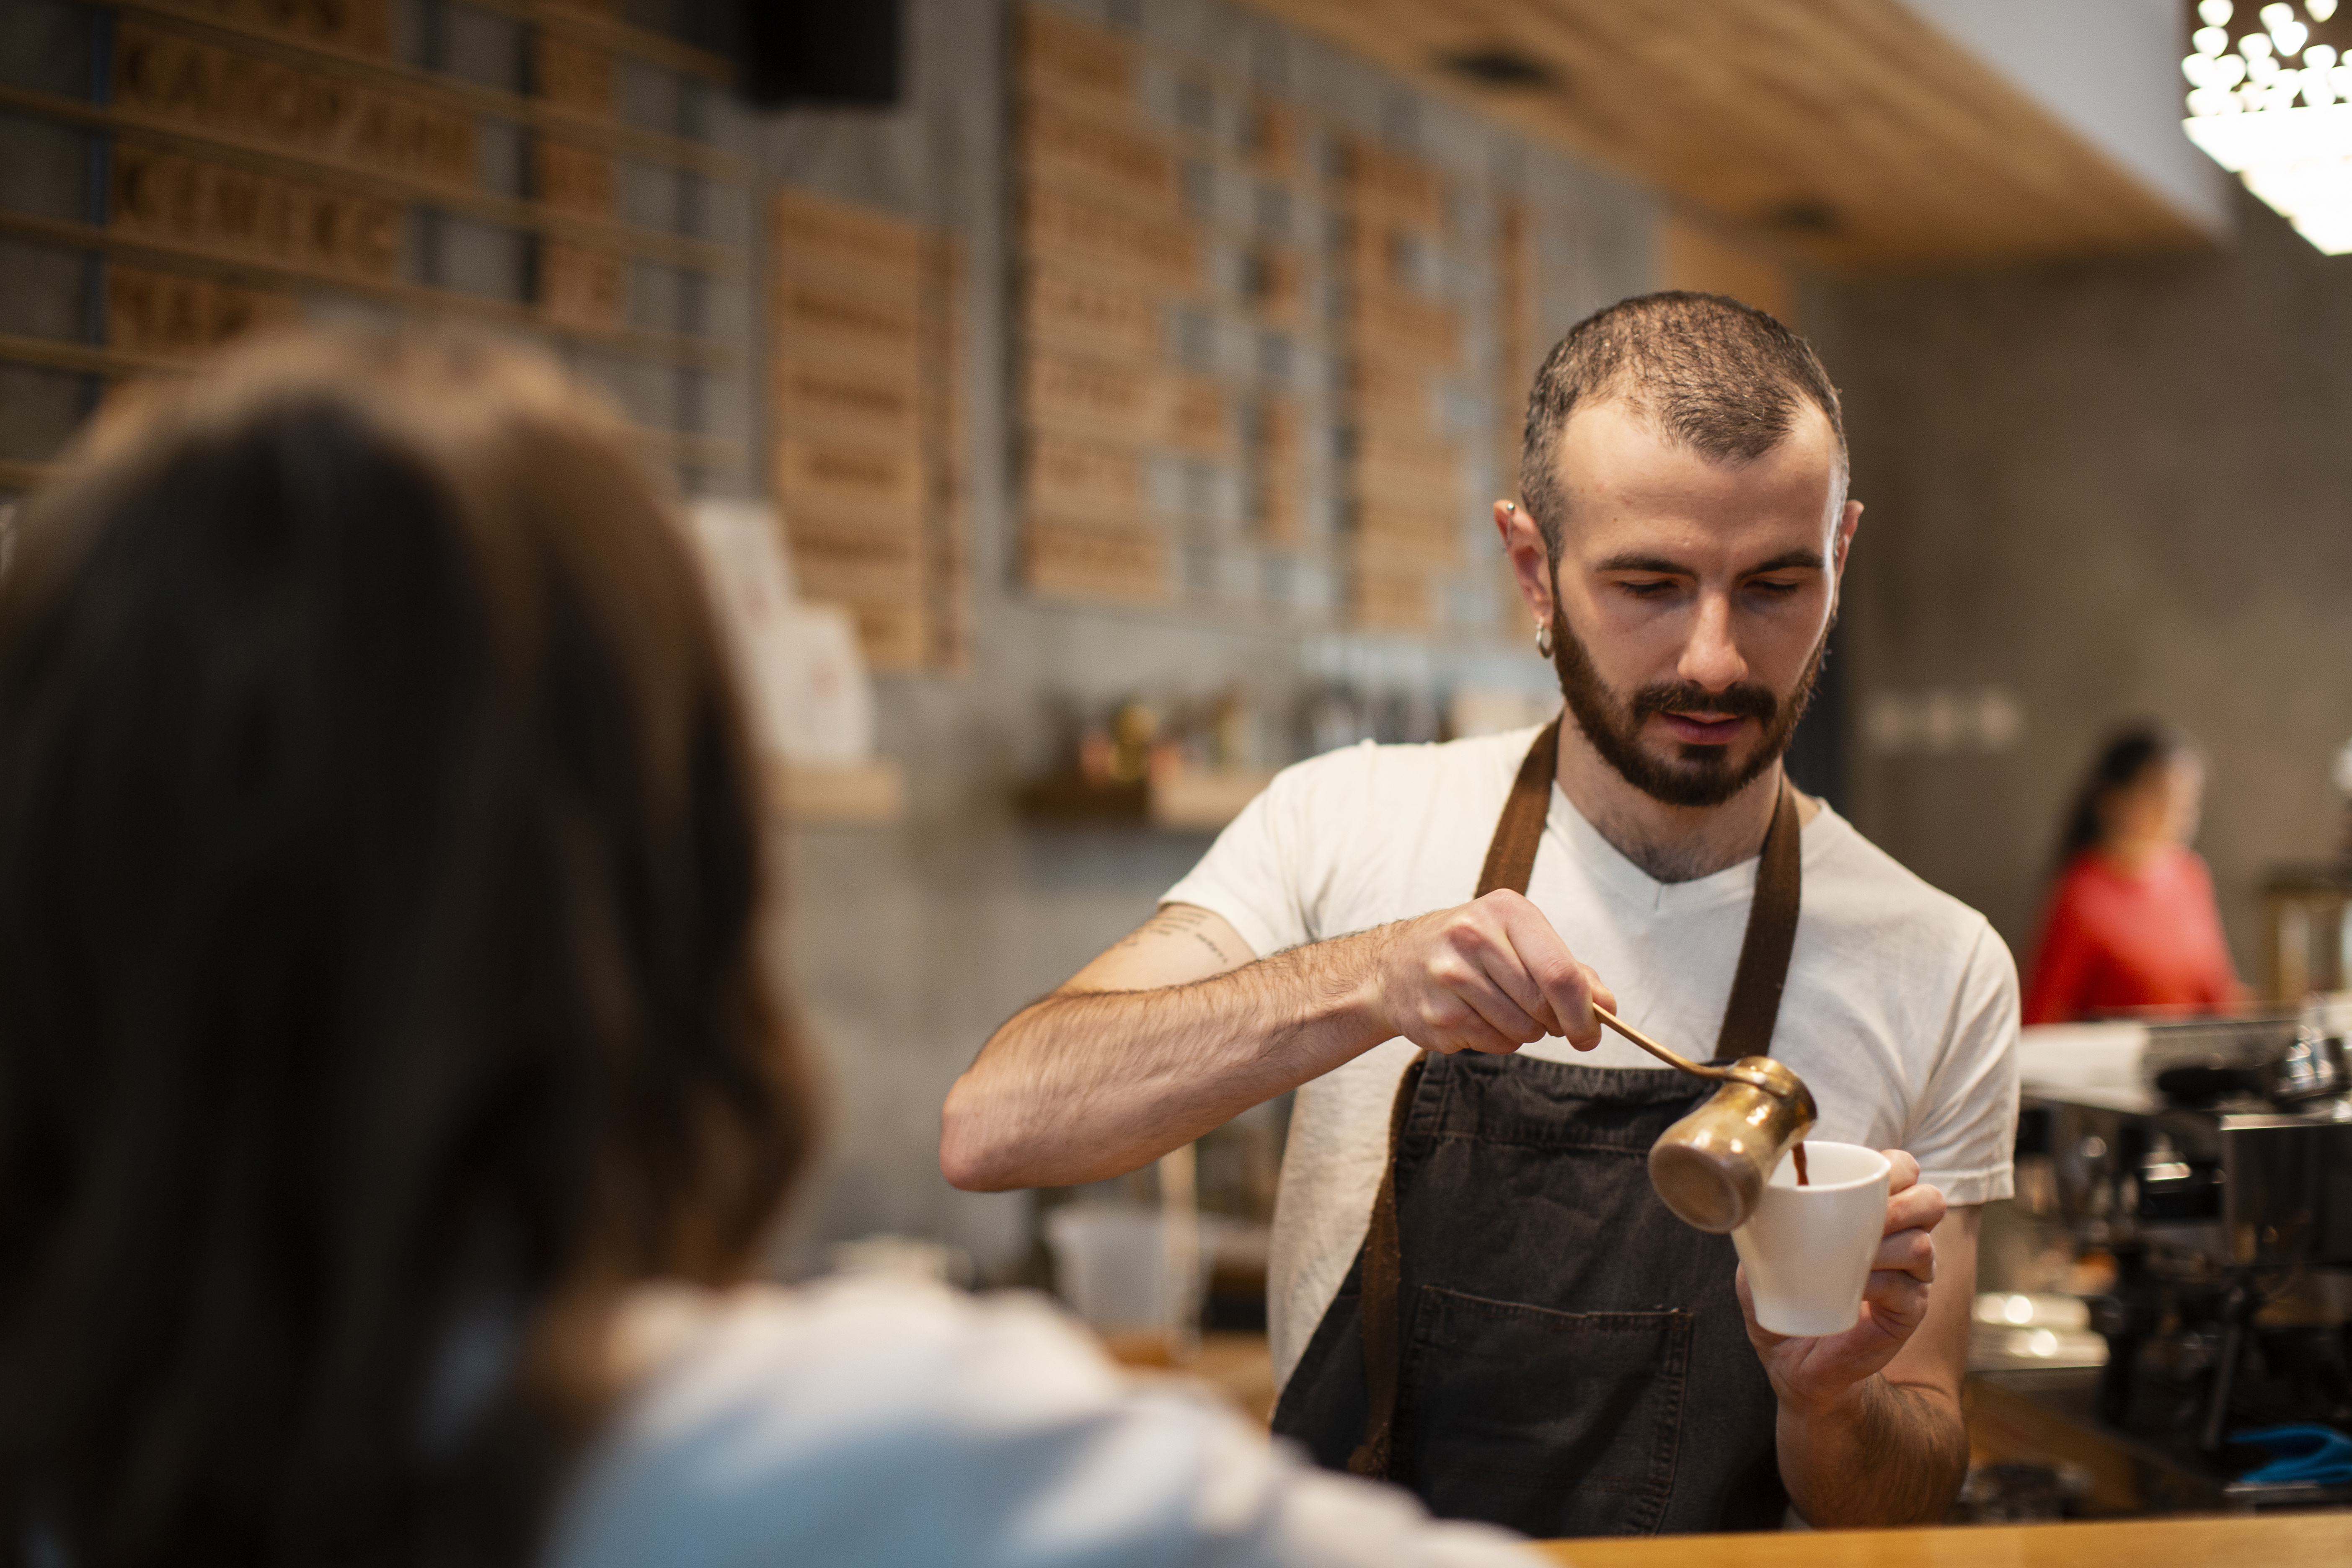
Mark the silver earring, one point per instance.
(1543, 638)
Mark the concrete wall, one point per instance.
(2115, 491)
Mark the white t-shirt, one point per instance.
(1900, 1012)
(883, 1424)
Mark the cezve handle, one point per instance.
(1672, 1059)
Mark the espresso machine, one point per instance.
(2212, 1162)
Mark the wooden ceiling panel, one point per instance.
(1852, 130)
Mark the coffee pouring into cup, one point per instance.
(1711, 1166)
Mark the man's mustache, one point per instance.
(1742, 700)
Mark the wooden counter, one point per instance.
(2294, 1540)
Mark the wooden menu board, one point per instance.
(166, 76)
(1275, 317)
(867, 421)
(150, 311)
(1253, 368)
(1521, 342)
(303, 225)
(1168, 388)
(245, 157)
(1101, 240)
(170, 77)
(1403, 345)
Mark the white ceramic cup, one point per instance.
(1808, 1249)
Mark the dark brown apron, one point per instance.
(1527, 1335)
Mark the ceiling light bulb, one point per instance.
(2276, 15)
(2298, 163)
(2291, 37)
(2197, 69)
(2230, 70)
(2320, 9)
(2217, 12)
(2255, 45)
(2212, 40)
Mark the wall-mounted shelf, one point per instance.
(865, 793)
(1185, 801)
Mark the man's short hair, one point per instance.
(1723, 378)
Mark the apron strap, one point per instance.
(1510, 861)
(1383, 1264)
(1511, 854)
(1747, 1021)
(1763, 972)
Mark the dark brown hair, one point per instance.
(381, 981)
(2125, 758)
(1723, 378)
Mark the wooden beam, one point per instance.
(1850, 129)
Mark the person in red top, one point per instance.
(2132, 925)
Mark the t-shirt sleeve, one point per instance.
(895, 1425)
(1270, 868)
(1967, 1137)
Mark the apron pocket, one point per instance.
(1551, 1423)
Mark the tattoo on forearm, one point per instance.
(1181, 919)
(1187, 1056)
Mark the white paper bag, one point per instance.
(803, 677)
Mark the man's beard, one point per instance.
(1699, 775)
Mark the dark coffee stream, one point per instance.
(1804, 1178)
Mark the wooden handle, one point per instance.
(1673, 1060)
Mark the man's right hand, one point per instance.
(1491, 975)
(1180, 1028)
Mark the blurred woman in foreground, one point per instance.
(2131, 925)
(391, 1100)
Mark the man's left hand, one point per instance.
(1824, 1371)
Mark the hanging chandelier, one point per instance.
(2275, 109)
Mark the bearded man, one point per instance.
(1473, 1290)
